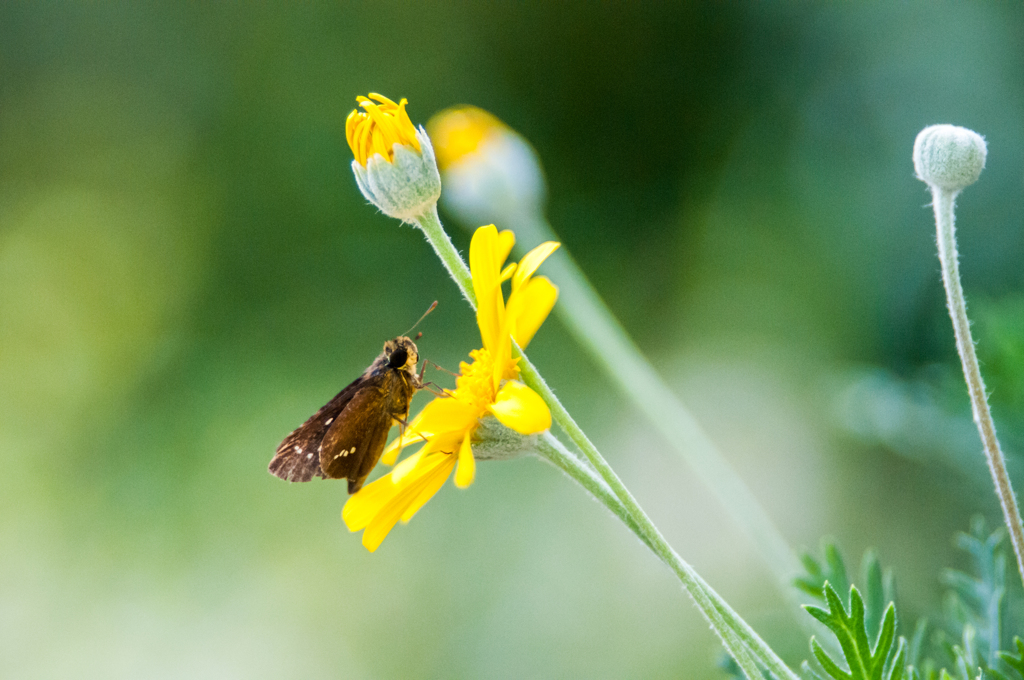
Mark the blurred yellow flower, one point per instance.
(378, 127)
(461, 130)
(490, 171)
(486, 386)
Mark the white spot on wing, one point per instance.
(328, 421)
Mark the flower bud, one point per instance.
(491, 173)
(949, 157)
(394, 161)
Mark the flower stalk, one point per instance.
(949, 159)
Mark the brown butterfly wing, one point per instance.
(355, 442)
(298, 457)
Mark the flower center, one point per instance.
(475, 384)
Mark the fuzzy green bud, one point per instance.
(949, 157)
(405, 187)
(494, 441)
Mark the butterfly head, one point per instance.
(401, 354)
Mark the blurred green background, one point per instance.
(187, 271)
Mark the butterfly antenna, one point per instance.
(429, 310)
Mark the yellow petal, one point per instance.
(490, 314)
(367, 503)
(380, 526)
(445, 414)
(407, 466)
(393, 450)
(501, 355)
(533, 259)
(467, 465)
(529, 306)
(485, 257)
(520, 408)
(437, 477)
(446, 442)
(506, 239)
(487, 253)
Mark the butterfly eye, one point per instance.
(398, 358)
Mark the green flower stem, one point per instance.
(705, 597)
(737, 639)
(733, 630)
(943, 201)
(432, 228)
(596, 328)
(552, 450)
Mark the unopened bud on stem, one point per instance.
(949, 157)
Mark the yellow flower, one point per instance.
(490, 170)
(462, 130)
(485, 387)
(394, 161)
(378, 127)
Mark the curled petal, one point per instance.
(533, 259)
(529, 306)
(520, 408)
(467, 465)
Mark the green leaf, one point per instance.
(864, 661)
(975, 602)
(832, 571)
(879, 590)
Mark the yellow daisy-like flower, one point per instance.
(394, 161)
(378, 127)
(486, 386)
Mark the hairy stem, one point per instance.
(738, 638)
(943, 202)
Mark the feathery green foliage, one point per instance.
(968, 636)
(881, 661)
(879, 584)
(974, 604)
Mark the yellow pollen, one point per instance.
(378, 127)
(474, 384)
(459, 131)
